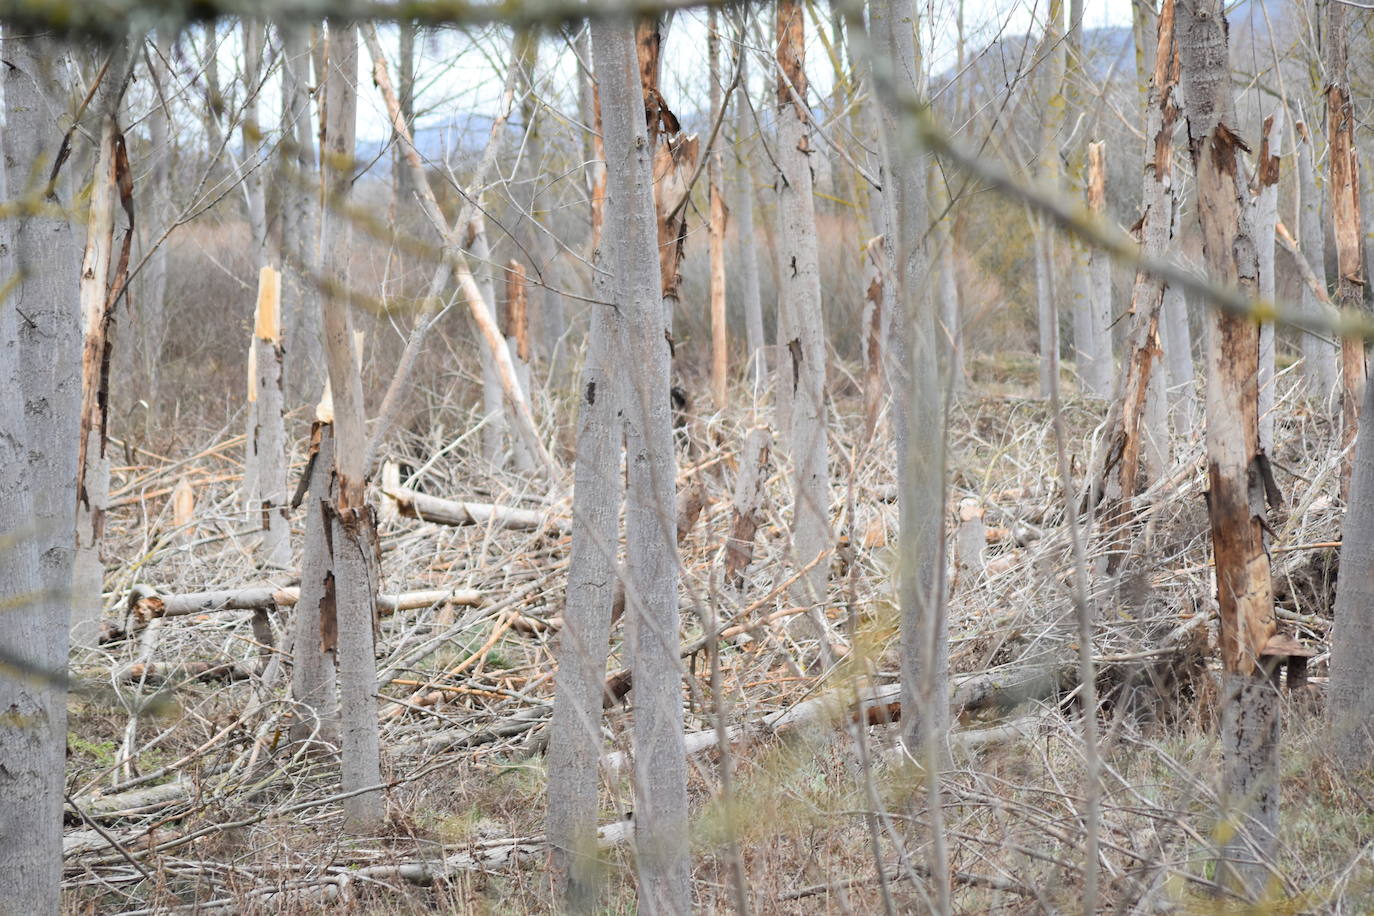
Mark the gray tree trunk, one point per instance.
(313, 684)
(493, 400)
(300, 225)
(750, 296)
(802, 357)
(353, 525)
(575, 731)
(1177, 339)
(1046, 311)
(1321, 353)
(268, 429)
(1265, 217)
(663, 856)
(1352, 686)
(152, 307)
(40, 409)
(914, 368)
(254, 183)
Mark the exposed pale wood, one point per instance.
(413, 504)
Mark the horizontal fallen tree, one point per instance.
(146, 604)
(426, 508)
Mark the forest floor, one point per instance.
(192, 798)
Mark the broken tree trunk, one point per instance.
(493, 402)
(97, 319)
(268, 428)
(1237, 468)
(351, 522)
(1119, 478)
(313, 679)
(482, 311)
(424, 507)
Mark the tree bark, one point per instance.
(254, 187)
(915, 367)
(1098, 348)
(1345, 221)
(97, 317)
(803, 356)
(1321, 357)
(1236, 465)
(720, 341)
(575, 731)
(1053, 55)
(40, 410)
(351, 521)
(750, 295)
(663, 856)
(313, 680)
(518, 343)
(1128, 420)
(300, 208)
(493, 402)
(1265, 217)
(268, 428)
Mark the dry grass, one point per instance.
(802, 816)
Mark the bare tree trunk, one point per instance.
(1264, 218)
(351, 519)
(1128, 423)
(300, 224)
(1321, 356)
(747, 238)
(1176, 338)
(152, 307)
(575, 731)
(803, 357)
(1351, 706)
(720, 341)
(1345, 221)
(254, 187)
(493, 403)
(652, 624)
(518, 343)
(1098, 347)
(1250, 701)
(40, 411)
(915, 367)
(313, 682)
(268, 429)
(1053, 66)
(97, 316)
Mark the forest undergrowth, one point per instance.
(187, 794)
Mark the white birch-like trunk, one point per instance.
(802, 357)
(254, 183)
(40, 410)
(493, 409)
(1176, 337)
(663, 855)
(915, 367)
(1264, 218)
(1320, 352)
(750, 296)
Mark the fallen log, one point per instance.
(426, 508)
(145, 604)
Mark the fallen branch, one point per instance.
(454, 512)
